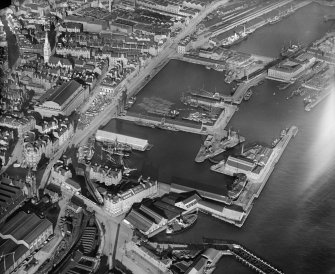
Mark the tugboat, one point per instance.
(237, 186)
(247, 95)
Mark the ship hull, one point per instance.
(191, 220)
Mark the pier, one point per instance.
(151, 121)
(237, 97)
(318, 100)
(256, 184)
(239, 252)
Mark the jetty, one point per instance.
(318, 100)
(169, 124)
(228, 247)
(257, 176)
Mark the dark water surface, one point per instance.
(292, 223)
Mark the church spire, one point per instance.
(46, 49)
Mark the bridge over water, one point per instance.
(239, 252)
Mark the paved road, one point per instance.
(168, 51)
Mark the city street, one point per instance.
(111, 224)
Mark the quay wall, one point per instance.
(317, 101)
(259, 184)
(199, 60)
(186, 126)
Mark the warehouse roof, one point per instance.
(9, 247)
(139, 221)
(9, 193)
(151, 213)
(64, 92)
(32, 228)
(168, 210)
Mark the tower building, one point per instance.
(46, 49)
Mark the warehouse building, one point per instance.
(62, 100)
(135, 143)
(11, 197)
(19, 237)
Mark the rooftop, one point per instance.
(24, 227)
(7, 247)
(60, 94)
(139, 221)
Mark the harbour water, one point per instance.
(292, 222)
(304, 26)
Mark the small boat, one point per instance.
(274, 142)
(247, 95)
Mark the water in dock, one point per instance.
(299, 193)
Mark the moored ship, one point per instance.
(247, 95)
(181, 223)
(235, 38)
(290, 50)
(168, 113)
(205, 94)
(144, 124)
(274, 20)
(237, 186)
(166, 127)
(214, 146)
